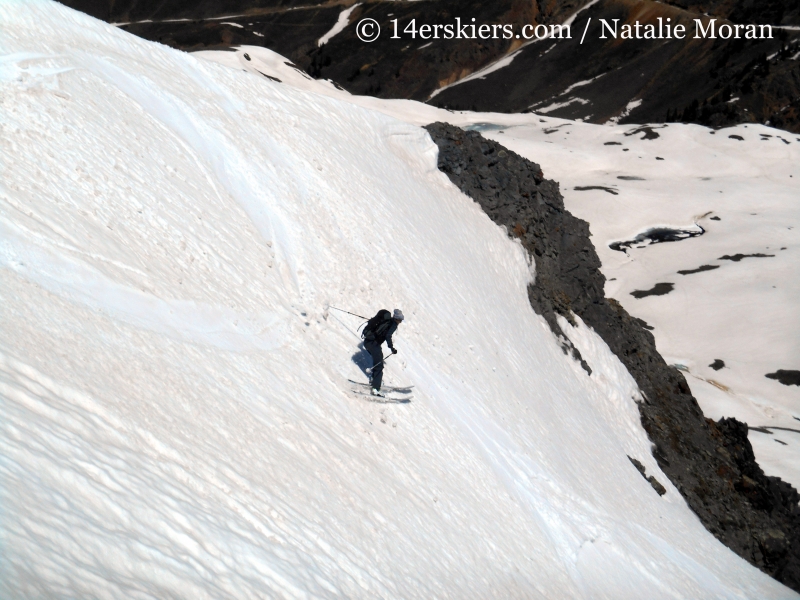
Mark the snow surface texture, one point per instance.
(740, 184)
(175, 421)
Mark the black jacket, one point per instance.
(385, 337)
(389, 332)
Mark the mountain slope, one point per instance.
(715, 82)
(175, 417)
(711, 463)
(685, 178)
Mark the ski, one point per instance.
(405, 389)
(385, 399)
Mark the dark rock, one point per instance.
(639, 466)
(785, 377)
(761, 430)
(658, 235)
(660, 489)
(699, 269)
(711, 464)
(583, 188)
(648, 131)
(738, 257)
(270, 77)
(660, 289)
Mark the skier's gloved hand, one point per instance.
(394, 350)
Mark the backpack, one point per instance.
(377, 326)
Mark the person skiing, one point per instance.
(379, 329)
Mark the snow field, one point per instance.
(742, 312)
(175, 420)
(744, 193)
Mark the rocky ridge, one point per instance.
(715, 82)
(711, 463)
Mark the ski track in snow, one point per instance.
(174, 419)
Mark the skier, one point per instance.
(379, 329)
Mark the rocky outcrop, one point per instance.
(710, 463)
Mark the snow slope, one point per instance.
(745, 194)
(742, 312)
(174, 415)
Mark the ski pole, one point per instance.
(347, 311)
(385, 358)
